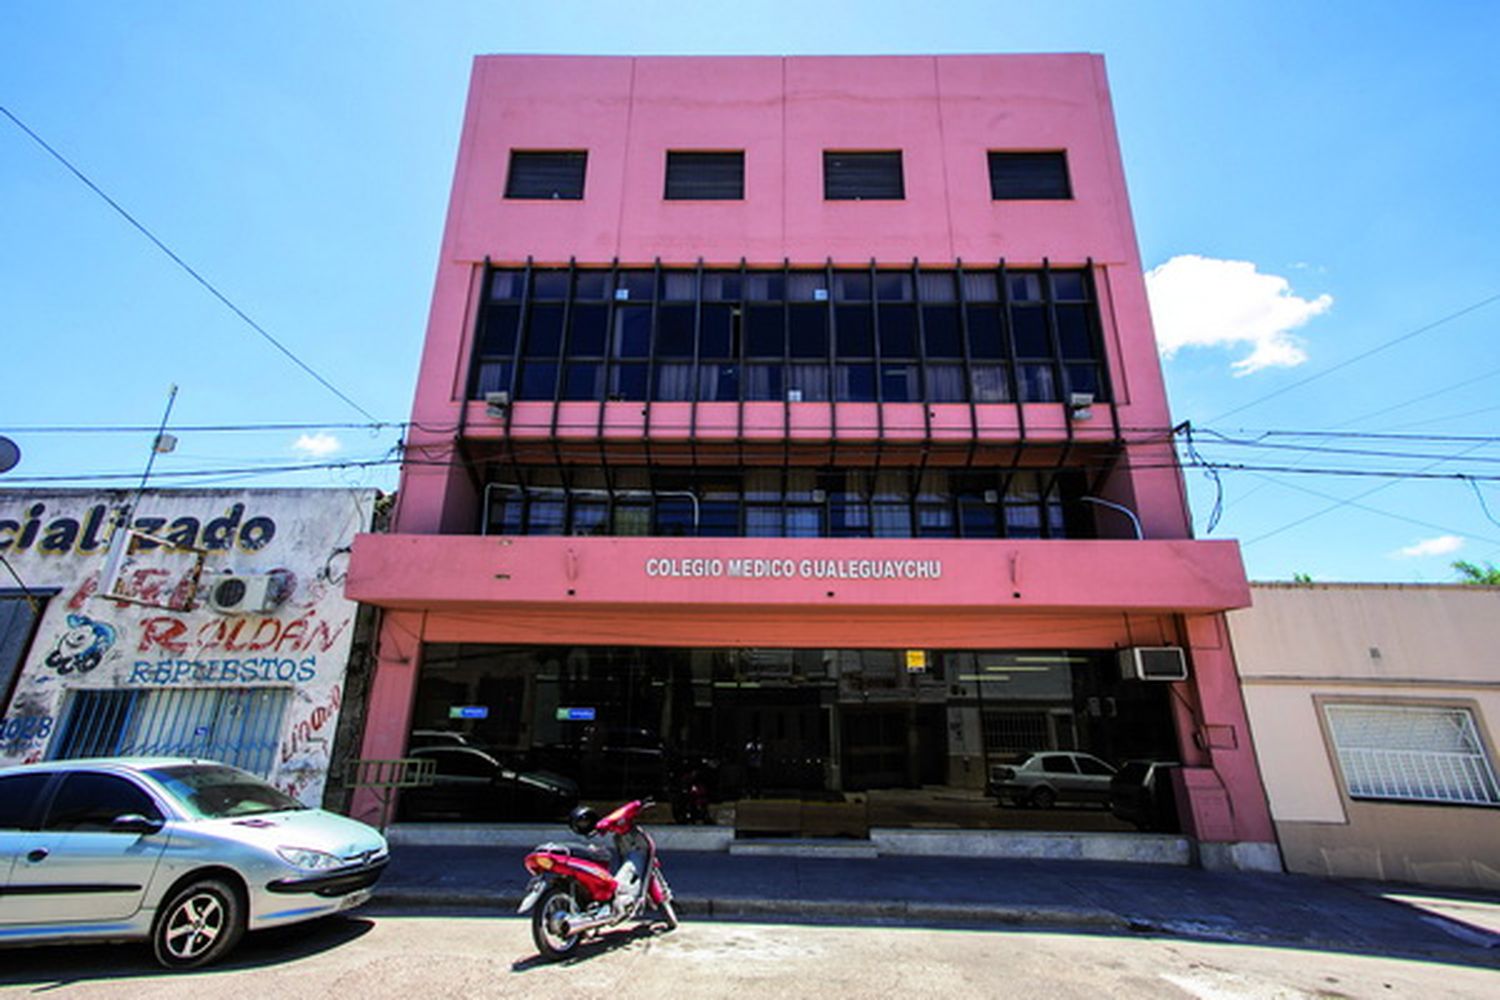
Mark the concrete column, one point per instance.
(388, 706)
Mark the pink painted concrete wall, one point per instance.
(944, 113)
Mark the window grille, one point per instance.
(1015, 732)
(546, 175)
(863, 176)
(236, 726)
(1412, 753)
(1029, 177)
(705, 176)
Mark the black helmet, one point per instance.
(583, 820)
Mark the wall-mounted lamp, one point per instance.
(496, 404)
(1081, 405)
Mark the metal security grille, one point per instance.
(1412, 753)
(1029, 176)
(546, 175)
(1015, 732)
(705, 176)
(863, 176)
(238, 726)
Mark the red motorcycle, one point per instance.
(573, 895)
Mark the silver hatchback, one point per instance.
(186, 854)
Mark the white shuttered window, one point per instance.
(1412, 752)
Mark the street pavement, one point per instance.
(377, 954)
(1100, 897)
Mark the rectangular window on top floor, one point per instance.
(863, 176)
(1029, 177)
(547, 175)
(705, 176)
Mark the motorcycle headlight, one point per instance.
(308, 859)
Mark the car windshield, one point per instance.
(213, 791)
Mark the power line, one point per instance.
(206, 428)
(1360, 356)
(185, 266)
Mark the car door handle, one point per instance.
(40, 854)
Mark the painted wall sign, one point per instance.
(288, 660)
(792, 569)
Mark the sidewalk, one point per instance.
(1102, 897)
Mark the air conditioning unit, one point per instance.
(1153, 663)
(246, 593)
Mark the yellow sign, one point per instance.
(916, 661)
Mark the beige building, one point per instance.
(1374, 709)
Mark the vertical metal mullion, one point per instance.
(744, 379)
(925, 395)
(1059, 370)
(651, 356)
(522, 334)
(963, 335)
(833, 367)
(1096, 328)
(869, 497)
(786, 367)
(697, 375)
(563, 345)
(1008, 333)
(609, 351)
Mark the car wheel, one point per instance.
(1043, 798)
(199, 924)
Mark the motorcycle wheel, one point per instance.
(557, 903)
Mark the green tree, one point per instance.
(1302, 578)
(1487, 575)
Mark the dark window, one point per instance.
(1058, 764)
(18, 798)
(1089, 765)
(705, 176)
(910, 335)
(556, 175)
(1029, 176)
(91, 802)
(863, 176)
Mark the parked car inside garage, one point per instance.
(1044, 779)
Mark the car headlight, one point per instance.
(307, 859)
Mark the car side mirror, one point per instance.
(135, 823)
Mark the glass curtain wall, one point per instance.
(787, 742)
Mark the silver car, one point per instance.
(186, 854)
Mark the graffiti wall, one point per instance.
(199, 623)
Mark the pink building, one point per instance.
(793, 430)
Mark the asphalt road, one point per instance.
(374, 956)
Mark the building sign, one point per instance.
(575, 715)
(468, 712)
(795, 569)
(916, 661)
(259, 687)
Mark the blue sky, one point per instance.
(1308, 179)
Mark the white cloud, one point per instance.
(1203, 302)
(319, 445)
(1442, 545)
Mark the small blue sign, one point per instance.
(468, 712)
(575, 715)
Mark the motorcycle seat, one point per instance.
(577, 849)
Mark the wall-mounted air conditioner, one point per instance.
(246, 593)
(1153, 663)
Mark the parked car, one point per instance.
(1049, 777)
(471, 784)
(185, 854)
(1141, 793)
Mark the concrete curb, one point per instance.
(807, 909)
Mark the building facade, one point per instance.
(796, 425)
(1374, 710)
(212, 624)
